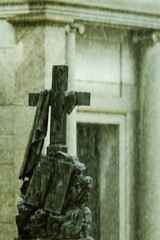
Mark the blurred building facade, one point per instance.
(112, 49)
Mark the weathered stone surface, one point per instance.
(7, 211)
(55, 39)
(107, 93)
(6, 59)
(128, 64)
(108, 53)
(75, 222)
(37, 223)
(6, 179)
(7, 120)
(7, 230)
(48, 185)
(6, 149)
(23, 121)
(7, 76)
(58, 186)
(150, 143)
(29, 62)
(7, 34)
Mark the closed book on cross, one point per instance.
(49, 182)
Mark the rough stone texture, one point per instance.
(55, 50)
(6, 59)
(150, 144)
(7, 230)
(105, 65)
(23, 119)
(6, 178)
(143, 5)
(29, 77)
(30, 61)
(7, 196)
(21, 49)
(6, 115)
(7, 75)
(7, 207)
(74, 219)
(6, 149)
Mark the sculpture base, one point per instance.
(72, 220)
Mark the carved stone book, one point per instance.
(49, 183)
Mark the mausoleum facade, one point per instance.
(112, 50)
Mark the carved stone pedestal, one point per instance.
(74, 220)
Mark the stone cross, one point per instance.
(53, 205)
(62, 101)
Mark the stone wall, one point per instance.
(27, 53)
(22, 67)
(7, 73)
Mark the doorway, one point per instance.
(98, 149)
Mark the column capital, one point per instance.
(149, 37)
(75, 27)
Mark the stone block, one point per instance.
(7, 123)
(128, 65)
(6, 178)
(6, 149)
(24, 117)
(99, 90)
(7, 76)
(7, 34)
(54, 39)
(29, 72)
(8, 231)
(97, 61)
(7, 207)
(7, 43)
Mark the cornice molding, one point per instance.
(153, 37)
(55, 11)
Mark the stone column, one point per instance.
(7, 85)
(149, 208)
(70, 58)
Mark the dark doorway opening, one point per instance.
(98, 149)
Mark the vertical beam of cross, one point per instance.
(58, 112)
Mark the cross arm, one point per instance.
(33, 99)
(81, 98)
(73, 98)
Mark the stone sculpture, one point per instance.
(55, 189)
